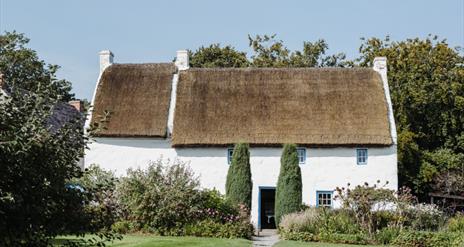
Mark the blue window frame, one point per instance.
(324, 198)
(230, 153)
(361, 156)
(301, 155)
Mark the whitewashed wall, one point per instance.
(325, 168)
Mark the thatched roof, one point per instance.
(137, 97)
(330, 106)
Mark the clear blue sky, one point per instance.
(71, 33)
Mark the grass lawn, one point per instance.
(157, 241)
(285, 243)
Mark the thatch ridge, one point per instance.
(137, 97)
(270, 106)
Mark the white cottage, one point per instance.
(341, 119)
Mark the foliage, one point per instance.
(358, 238)
(363, 200)
(215, 206)
(211, 228)
(39, 155)
(426, 81)
(214, 56)
(387, 235)
(161, 195)
(425, 217)
(449, 181)
(99, 187)
(303, 221)
(289, 185)
(320, 221)
(339, 221)
(122, 227)
(165, 198)
(267, 52)
(456, 223)
(270, 52)
(429, 239)
(22, 68)
(238, 184)
(299, 236)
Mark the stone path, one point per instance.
(266, 237)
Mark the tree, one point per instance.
(215, 56)
(270, 52)
(267, 52)
(289, 185)
(239, 184)
(41, 141)
(426, 79)
(99, 186)
(22, 68)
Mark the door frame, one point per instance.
(259, 202)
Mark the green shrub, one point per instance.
(425, 217)
(122, 227)
(364, 200)
(320, 221)
(238, 184)
(384, 218)
(386, 235)
(305, 221)
(165, 199)
(456, 223)
(99, 185)
(338, 221)
(429, 239)
(289, 185)
(298, 236)
(214, 206)
(359, 238)
(162, 195)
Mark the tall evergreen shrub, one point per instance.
(289, 185)
(239, 184)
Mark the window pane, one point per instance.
(230, 153)
(324, 199)
(301, 155)
(361, 156)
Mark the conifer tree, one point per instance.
(289, 185)
(239, 185)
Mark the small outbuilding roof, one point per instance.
(270, 106)
(137, 97)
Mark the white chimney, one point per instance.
(380, 65)
(106, 59)
(182, 60)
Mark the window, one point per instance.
(301, 155)
(230, 153)
(361, 156)
(324, 198)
